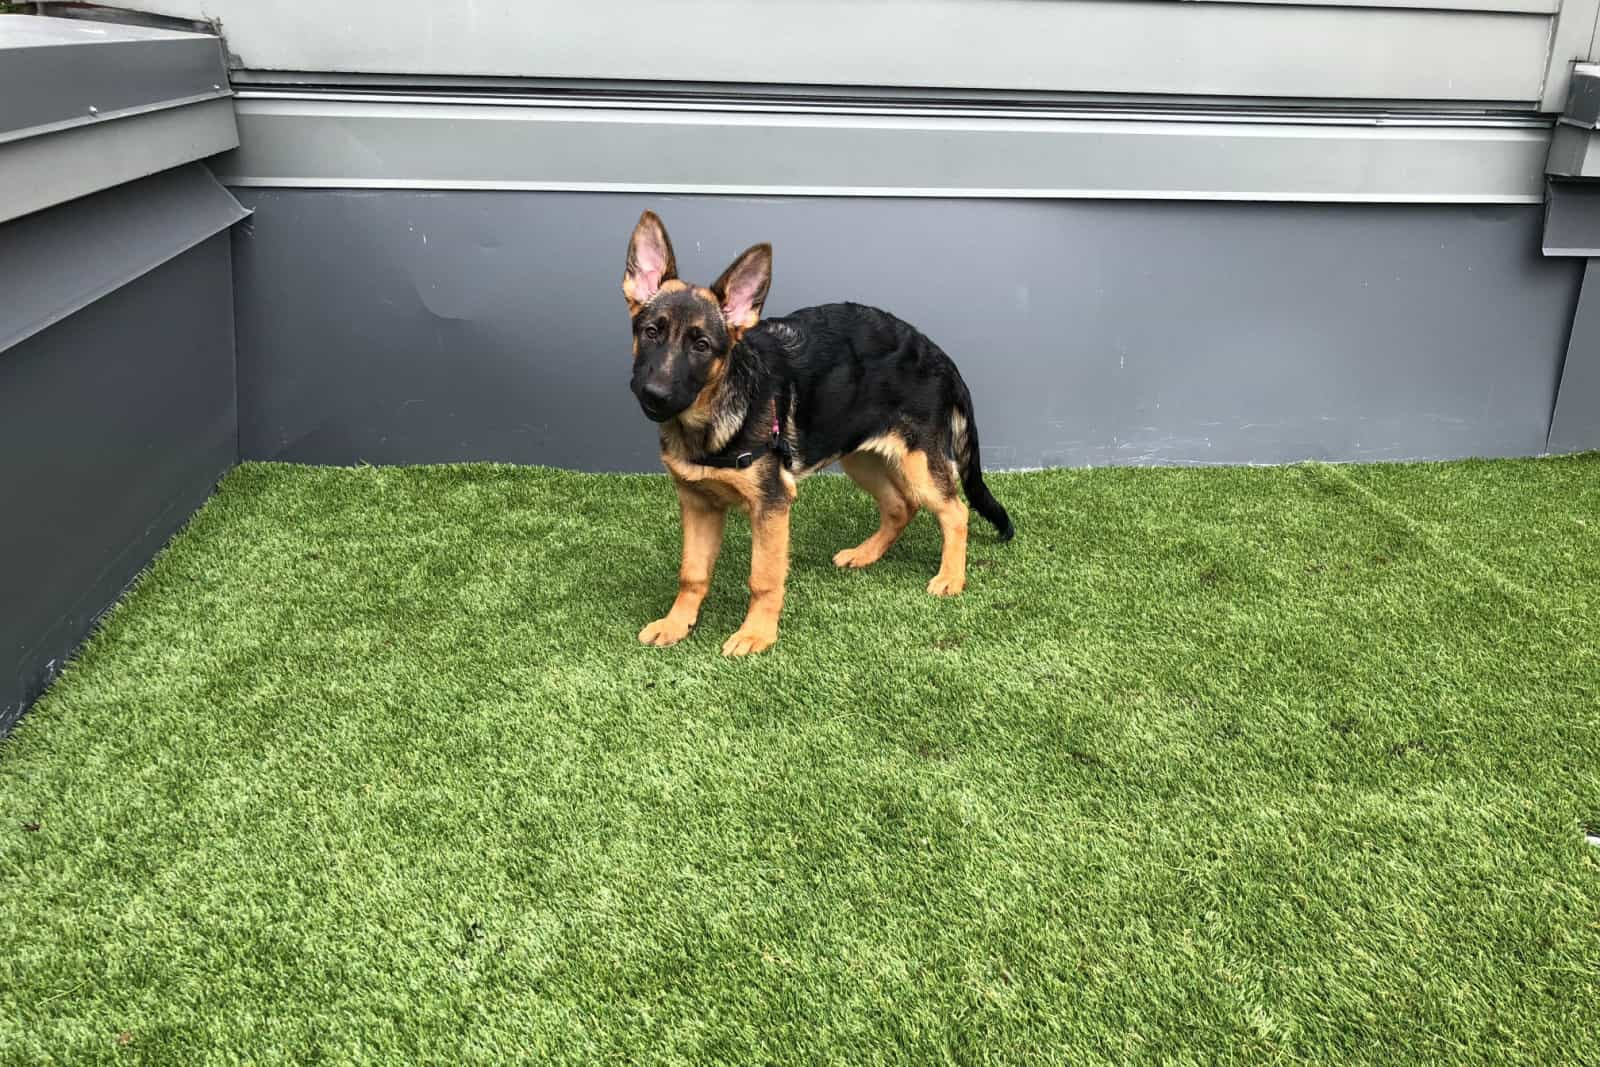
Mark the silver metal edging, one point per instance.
(864, 191)
(1024, 112)
(356, 141)
(100, 118)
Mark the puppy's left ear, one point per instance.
(742, 289)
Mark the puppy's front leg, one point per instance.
(702, 540)
(769, 567)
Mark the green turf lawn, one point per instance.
(1206, 766)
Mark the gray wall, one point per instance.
(402, 327)
(1502, 50)
(116, 422)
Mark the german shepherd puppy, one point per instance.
(748, 406)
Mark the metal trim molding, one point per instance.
(385, 141)
(44, 171)
(59, 73)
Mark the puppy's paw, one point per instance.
(748, 641)
(860, 556)
(663, 632)
(944, 585)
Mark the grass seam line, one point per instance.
(1426, 533)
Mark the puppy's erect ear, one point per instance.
(742, 289)
(650, 262)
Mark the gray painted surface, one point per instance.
(1575, 426)
(58, 261)
(54, 71)
(763, 147)
(1128, 46)
(116, 423)
(407, 327)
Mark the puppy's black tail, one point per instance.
(964, 441)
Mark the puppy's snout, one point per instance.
(657, 393)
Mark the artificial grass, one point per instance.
(1206, 766)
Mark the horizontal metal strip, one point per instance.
(321, 144)
(1095, 46)
(642, 100)
(54, 72)
(42, 171)
(1545, 6)
(58, 261)
(627, 92)
(100, 117)
(856, 191)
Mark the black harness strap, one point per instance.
(777, 443)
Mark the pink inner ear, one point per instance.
(739, 306)
(650, 263)
(647, 281)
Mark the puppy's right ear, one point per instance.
(650, 262)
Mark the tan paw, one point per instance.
(860, 556)
(943, 585)
(746, 641)
(663, 632)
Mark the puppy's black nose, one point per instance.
(655, 393)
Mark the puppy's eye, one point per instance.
(651, 333)
(702, 345)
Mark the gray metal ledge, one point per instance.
(85, 106)
(57, 73)
(45, 171)
(388, 140)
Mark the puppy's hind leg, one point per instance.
(872, 473)
(933, 485)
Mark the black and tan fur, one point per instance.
(842, 382)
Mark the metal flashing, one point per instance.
(59, 73)
(1583, 97)
(408, 141)
(56, 262)
(45, 171)
(1575, 422)
(85, 106)
(1572, 219)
